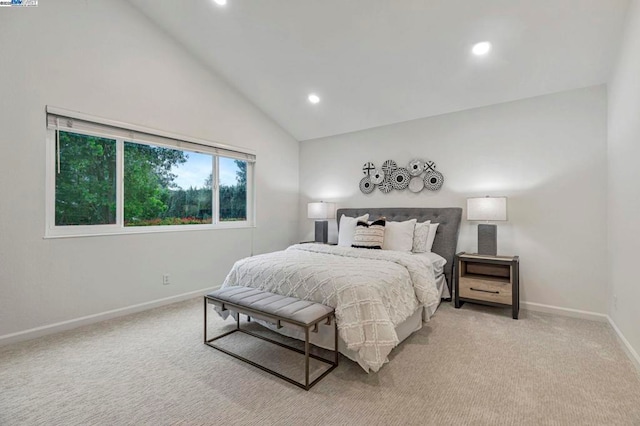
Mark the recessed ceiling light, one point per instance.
(313, 98)
(481, 48)
(220, 2)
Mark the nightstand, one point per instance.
(488, 280)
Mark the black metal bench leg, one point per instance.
(205, 319)
(335, 332)
(306, 358)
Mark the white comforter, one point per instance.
(372, 291)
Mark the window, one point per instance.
(86, 180)
(233, 190)
(109, 179)
(164, 186)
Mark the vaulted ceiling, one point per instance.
(377, 62)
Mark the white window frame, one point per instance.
(53, 231)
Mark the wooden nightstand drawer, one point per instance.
(489, 290)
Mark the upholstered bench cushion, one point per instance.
(301, 311)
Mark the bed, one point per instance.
(381, 297)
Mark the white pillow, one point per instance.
(420, 236)
(399, 235)
(433, 227)
(348, 229)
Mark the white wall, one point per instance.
(547, 154)
(102, 57)
(624, 182)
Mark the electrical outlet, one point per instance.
(165, 279)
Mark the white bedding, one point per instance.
(438, 263)
(372, 291)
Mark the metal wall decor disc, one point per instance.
(416, 184)
(400, 178)
(389, 167)
(429, 166)
(377, 176)
(368, 168)
(366, 186)
(416, 167)
(433, 180)
(385, 186)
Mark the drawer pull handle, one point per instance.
(485, 291)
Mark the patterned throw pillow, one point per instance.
(370, 236)
(420, 236)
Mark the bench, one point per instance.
(278, 310)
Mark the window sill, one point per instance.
(147, 230)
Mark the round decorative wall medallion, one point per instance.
(377, 176)
(389, 167)
(400, 178)
(429, 166)
(368, 168)
(416, 167)
(416, 184)
(366, 186)
(385, 186)
(433, 180)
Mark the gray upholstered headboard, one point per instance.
(446, 237)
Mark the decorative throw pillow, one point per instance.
(399, 235)
(420, 236)
(433, 228)
(348, 228)
(369, 235)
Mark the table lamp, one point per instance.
(321, 210)
(487, 209)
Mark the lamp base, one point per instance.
(487, 239)
(322, 231)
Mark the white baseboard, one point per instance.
(631, 353)
(594, 316)
(90, 319)
(567, 312)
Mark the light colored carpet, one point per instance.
(470, 366)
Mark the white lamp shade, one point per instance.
(487, 208)
(321, 210)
